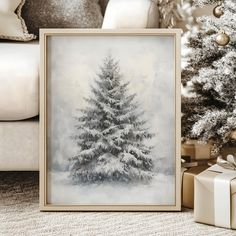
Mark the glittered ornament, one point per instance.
(222, 39)
(218, 11)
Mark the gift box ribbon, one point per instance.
(229, 163)
(222, 191)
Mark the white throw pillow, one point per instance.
(131, 14)
(12, 26)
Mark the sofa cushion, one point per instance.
(12, 26)
(19, 80)
(19, 145)
(131, 14)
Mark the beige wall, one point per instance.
(207, 10)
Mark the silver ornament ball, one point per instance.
(218, 12)
(222, 39)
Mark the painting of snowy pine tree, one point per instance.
(110, 125)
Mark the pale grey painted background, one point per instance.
(146, 61)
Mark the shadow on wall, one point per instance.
(103, 4)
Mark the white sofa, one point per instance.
(19, 103)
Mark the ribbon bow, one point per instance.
(229, 163)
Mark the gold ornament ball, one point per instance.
(218, 12)
(222, 39)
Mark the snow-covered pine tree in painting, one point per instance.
(111, 134)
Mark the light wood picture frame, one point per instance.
(110, 112)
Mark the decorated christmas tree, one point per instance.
(209, 109)
(111, 134)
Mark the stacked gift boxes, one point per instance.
(215, 197)
(209, 188)
(195, 159)
(188, 184)
(197, 151)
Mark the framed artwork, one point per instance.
(110, 120)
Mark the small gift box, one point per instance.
(188, 184)
(215, 194)
(196, 150)
(186, 162)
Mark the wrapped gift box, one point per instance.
(215, 197)
(188, 149)
(197, 151)
(188, 184)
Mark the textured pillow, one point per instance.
(61, 14)
(131, 14)
(12, 26)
